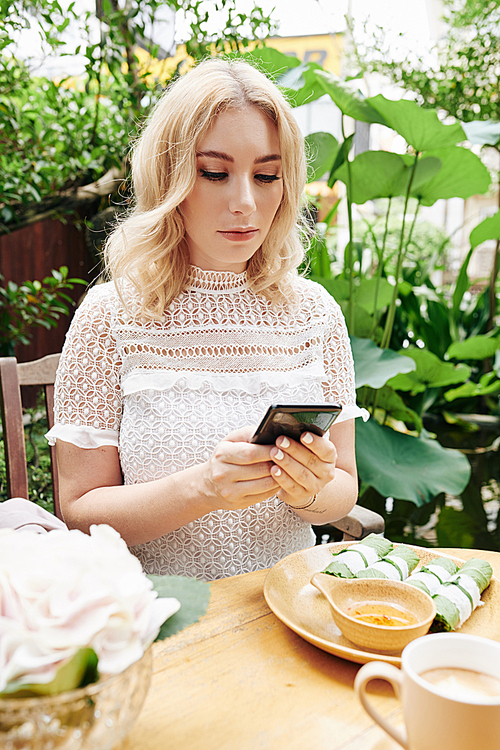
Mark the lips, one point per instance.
(242, 234)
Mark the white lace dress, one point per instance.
(166, 392)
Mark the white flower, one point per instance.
(67, 590)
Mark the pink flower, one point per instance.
(66, 590)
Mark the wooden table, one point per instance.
(241, 680)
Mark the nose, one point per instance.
(242, 199)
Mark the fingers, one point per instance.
(303, 467)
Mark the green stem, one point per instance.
(389, 324)
(380, 269)
(350, 260)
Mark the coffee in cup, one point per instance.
(449, 685)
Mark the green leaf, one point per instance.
(462, 175)
(300, 85)
(406, 467)
(270, 60)
(76, 672)
(420, 127)
(374, 366)
(337, 287)
(455, 528)
(364, 294)
(322, 149)
(349, 103)
(381, 174)
(475, 347)
(394, 406)
(341, 157)
(489, 229)
(482, 132)
(431, 372)
(462, 284)
(193, 595)
(485, 387)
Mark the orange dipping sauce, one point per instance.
(381, 613)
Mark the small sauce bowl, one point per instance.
(350, 599)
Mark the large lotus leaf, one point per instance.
(193, 595)
(487, 386)
(406, 467)
(382, 174)
(482, 132)
(475, 347)
(349, 103)
(300, 84)
(270, 60)
(360, 323)
(421, 128)
(337, 287)
(364, 294)
(393, 405)
(462, 174)
(427, 167)
(374, 366)
(489, 229)
(430, 372)
(323, 149)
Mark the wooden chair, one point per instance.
(13, 375)
(42, 372)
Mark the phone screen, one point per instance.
(294, 419)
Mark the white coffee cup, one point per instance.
(436, 719)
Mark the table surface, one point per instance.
(241, 680)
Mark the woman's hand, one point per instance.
(238, 474)
(302, 469)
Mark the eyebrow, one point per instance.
(225, 157)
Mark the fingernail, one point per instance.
(279, 455)
(285, 443)
(277, 473)
(307, 438)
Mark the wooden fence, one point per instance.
(31, 253)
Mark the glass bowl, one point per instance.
(95, 717)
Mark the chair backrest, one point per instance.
(13, 375)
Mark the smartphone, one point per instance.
(294, 419)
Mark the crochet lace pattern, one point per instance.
(165, 392)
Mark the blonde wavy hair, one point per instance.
(148, 248)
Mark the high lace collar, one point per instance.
(216, 281)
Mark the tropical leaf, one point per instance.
(430, 372)
(375, 366)
(393, 405)
(488, 385)
(193, 595)
(364, 294)
(489, 229)
(350, 103)
(406, 467)
(462, 174)
(322, 149)
(420, 127)
(382, 174)
(475, 347)
(482, 132)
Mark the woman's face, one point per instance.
(237, 192)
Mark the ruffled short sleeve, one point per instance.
(88, 400)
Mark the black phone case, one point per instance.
(294, 419)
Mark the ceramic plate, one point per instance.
(300, 606)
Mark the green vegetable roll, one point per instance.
(432, 575)
(359, 556)
(397, 565)
(457, 598)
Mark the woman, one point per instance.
(168, 368)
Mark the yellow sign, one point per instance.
(324, 49)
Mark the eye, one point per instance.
(267, 178)
(213, 176)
